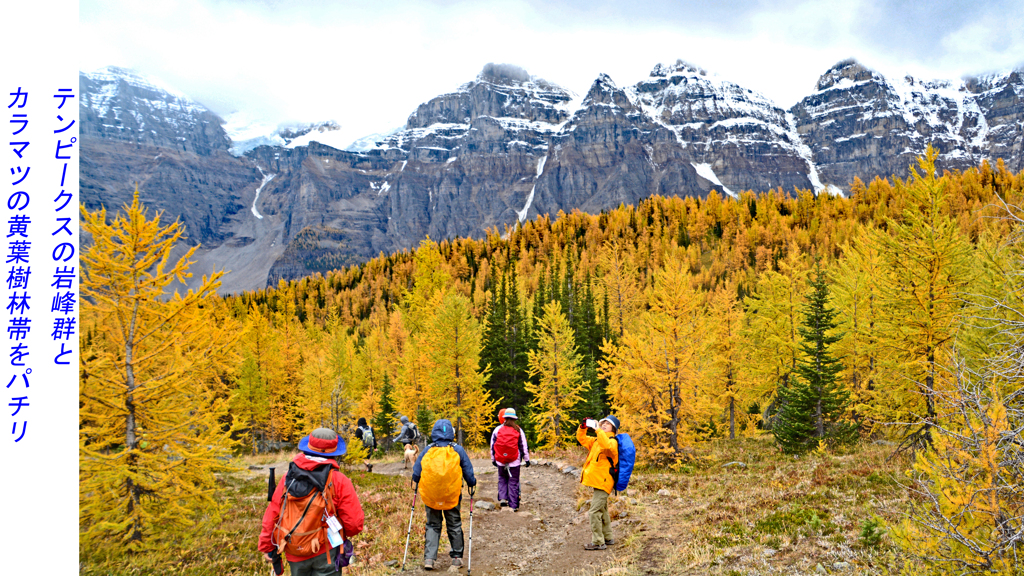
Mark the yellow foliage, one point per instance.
(654, 376)
(152, 390)
(557, 368)
(970, 502)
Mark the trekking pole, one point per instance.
(412, 510)
(469, 561)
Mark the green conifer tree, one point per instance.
(813, 403)
(384, 420)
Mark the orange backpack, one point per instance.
(300, 523)
(441, 480)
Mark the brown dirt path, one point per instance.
(545, 537)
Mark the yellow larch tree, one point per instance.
(770, 338)
(727, 371)
(620, 284)
(318, 383)
(967, 502)
(151, 432)
(559, 384)
(922, 297)
(250, 404)
(857, 299)
(453, 341)
(285, 367)
(654, 381)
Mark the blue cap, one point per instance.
(609, 418)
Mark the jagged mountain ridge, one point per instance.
(507, 146)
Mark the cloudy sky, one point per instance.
(368, 64)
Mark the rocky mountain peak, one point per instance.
(499, 91)
(121, 104)
(604, 91)
(505, 74)
(849, 70)
(666, 70)
(984, 83)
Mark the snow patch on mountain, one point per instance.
(266, 180)
(705, 172)
(529, 199)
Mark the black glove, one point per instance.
(493, 463)
(583, 424)
(275, 561)
(527, 463)
(472, 491)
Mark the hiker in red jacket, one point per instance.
(508, 452)
(318, 499)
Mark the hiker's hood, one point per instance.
(361, 422)
(403, 420)
(443, 431)
(308, 463)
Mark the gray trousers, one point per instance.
(453, 522)
(318, 566)
(600, 520)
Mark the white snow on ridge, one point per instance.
(266, 180)
(333, 138)
(804, 151)
(705, 172)
(529, 199)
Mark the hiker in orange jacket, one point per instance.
(312, 469)
(604, 453)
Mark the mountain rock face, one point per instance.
(507, 147)
(859, 123)
(136, 133)
(120, 105)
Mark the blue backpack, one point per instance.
(627, 459)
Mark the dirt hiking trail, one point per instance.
(546, 536)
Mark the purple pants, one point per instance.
(508, 485)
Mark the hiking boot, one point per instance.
(502, 503)
(594, 547)
(609, 542)
(428, 564)
(457, 562)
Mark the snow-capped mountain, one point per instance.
(860, 123)
(507, 146)
(123, 105)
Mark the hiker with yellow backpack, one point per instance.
(438, 474)
(314, 510)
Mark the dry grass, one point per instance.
(777, 514)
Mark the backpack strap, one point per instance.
(288, 536)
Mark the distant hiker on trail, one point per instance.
(314, 510)
(365, 434)
(409, 433)
(438, 474)
(597, 474)
(508, 452)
